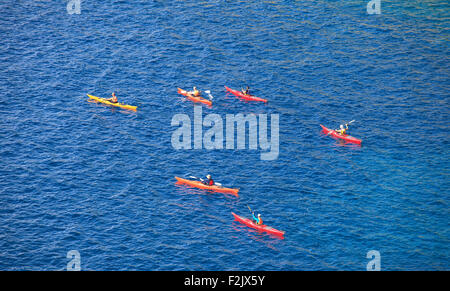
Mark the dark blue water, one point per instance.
(82, 176)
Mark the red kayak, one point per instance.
(261, 227)
(345, 137)
(193, 98)
(244, 96)
(215, 188)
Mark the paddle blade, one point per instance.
(209, 94)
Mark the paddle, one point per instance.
(348, 123)
(209, 94)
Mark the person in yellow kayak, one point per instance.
(257, 220)
(209, 181)
(113, 99)
(246, 91)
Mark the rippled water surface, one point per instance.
(81, 176)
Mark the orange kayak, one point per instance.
(193, 98)
(200, 185)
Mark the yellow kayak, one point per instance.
(121, 105)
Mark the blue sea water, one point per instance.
(82, 176)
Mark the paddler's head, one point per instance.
(342, 126)
(208, 176)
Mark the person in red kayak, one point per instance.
(209, 181)
(257, 220)
(246, 91)
(113, 99)
(342, 130)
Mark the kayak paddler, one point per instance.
(113, 99)
(209, 181)
(195, 92)
(342, 130)
(246, 91)
(257, 220)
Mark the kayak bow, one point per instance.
(215, 188)
(104, 101)
(261, 227)
(244, 96)
(345, 137)
(193, 98)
